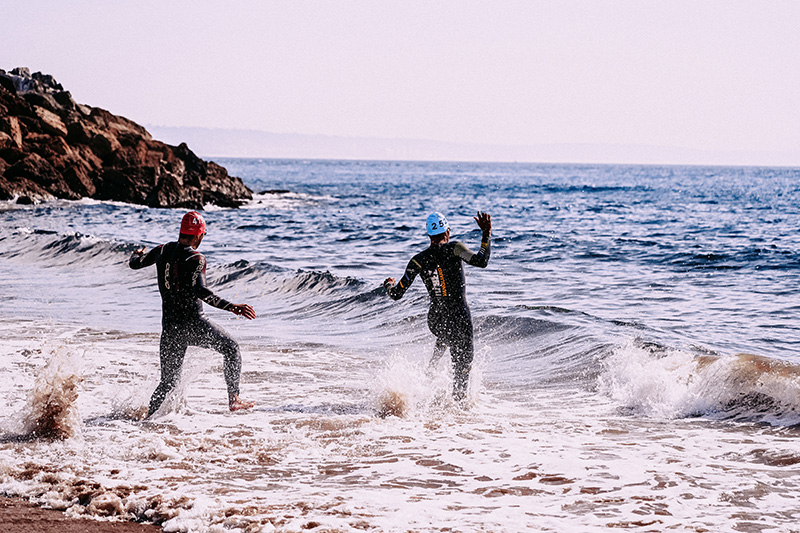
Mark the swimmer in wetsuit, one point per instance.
(442, 271)
(182, 284)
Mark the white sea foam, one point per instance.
(652, 386)
(284, 200)
(314, 451)
(675, 383)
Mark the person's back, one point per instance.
(181, 283)
(442, 271)
(441, 268)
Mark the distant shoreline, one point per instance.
(243, 143)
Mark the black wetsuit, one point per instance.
(449, 318)
(182, 284)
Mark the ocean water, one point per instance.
(637, 362)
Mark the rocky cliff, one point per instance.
(53, 147)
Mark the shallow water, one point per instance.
(609, 389)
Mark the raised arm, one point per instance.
(481, 258)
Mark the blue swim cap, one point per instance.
(436, 224)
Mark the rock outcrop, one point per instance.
(52, 147)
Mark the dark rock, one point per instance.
(7, 84)
(51, 122)
(275, 191)
(60, 189)
(132, 184)
(78, 180)
(6, 141)
(78, 133)
(30, 124)
(51, 146)
(22, 187)
(5, 195)
(47, 81)
(25, 200)
(12, 155)
(33, 167)
(102, 145)
(42, 100)
(193, 163)
(64, 99)
(169, 191)
(10, 125)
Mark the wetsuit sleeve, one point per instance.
(413, 268)
(138, 261)
(200, 288)
(479, 259)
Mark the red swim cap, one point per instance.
(193, 224)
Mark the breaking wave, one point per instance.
(654, 381)
(50, 248)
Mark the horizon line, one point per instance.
(340, 147)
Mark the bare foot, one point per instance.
(139, 414)
(237, 404)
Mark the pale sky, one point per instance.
(706, 75)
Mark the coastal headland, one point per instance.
(52, 147)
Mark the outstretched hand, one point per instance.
(140, 250)
(388, 283)
(484, 221)
(243, 310)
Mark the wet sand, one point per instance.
(21, 516)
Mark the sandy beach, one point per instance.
(21, 516)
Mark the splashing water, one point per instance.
(672, 383)
(52, 412)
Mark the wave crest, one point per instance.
(653, 381)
